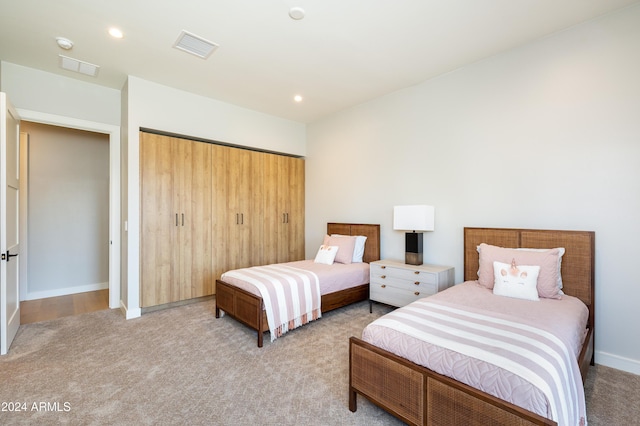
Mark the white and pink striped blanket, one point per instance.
(491, 351)
(291, 296)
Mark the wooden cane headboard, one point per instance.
(372, 232)
(578, 262)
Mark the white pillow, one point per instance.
(326, 254)
(358, 251)
(518, 281)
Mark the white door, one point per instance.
(9, 241)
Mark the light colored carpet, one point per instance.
(184, 366)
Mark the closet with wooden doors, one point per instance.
(208, 208)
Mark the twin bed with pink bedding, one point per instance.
(496, 345)
(299, 301)
(469, 356)
(280, 297)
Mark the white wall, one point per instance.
(44, 92)
(68, 211)
(150, 105)
(171, 110)
(545, 136)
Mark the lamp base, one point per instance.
(413, 248)
(413, 258)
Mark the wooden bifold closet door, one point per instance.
(208, 208)
(258, 208)
(175, 219)
(284, 208)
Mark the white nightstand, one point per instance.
(397, 284)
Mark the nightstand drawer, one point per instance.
(405, 274)
(424, 287)
(393, 295)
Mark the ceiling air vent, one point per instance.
(76, 65)
(195, 45)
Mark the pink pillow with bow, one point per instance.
(548, 261)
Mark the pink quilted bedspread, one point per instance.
(521, 351)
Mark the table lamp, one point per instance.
(415, 219)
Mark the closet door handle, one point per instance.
(287, 217)
(176, 219)
(284, 220)
(241, 218)
(182, 219)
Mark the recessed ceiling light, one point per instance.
(115, 33)
(297, 98)
(296, 13)
(64, 43)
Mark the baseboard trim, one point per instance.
(130, 313)
(619, 363)
(176, 304)
(66, 291)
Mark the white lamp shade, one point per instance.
(414, 218)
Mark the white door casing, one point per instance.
(9, 229)
(114, 188)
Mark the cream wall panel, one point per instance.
(171, 110)
(44, 92)
(543, 136)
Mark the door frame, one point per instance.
(114, 190)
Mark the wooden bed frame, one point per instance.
(419, 396)
(249, 308)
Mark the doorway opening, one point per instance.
(65, 211)
(115, 231)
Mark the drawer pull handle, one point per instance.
(383, 267)
(383, 285)
(383, 276)
(416, 272)
(417, 283)
(417, 293)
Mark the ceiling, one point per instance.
(342, 53)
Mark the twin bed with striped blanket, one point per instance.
(468, 356)
(291, 295)
(292, 292)
(525, 353)
(280, 297)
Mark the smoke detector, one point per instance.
(296, 13)
(64, 43)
